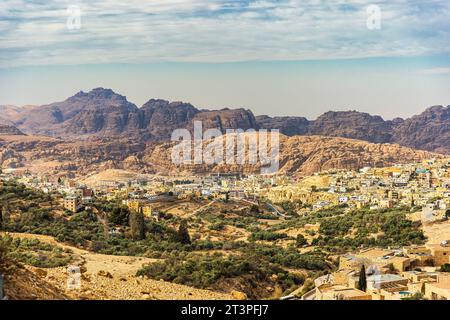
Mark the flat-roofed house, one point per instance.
(439, 290)
(440, 253)
(339, 292)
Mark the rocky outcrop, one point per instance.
(346, 124)
(161, 117)
(353, 125)
(428, 131)
(6, 130)
(301, 155)
(290, 126)
(227, 119)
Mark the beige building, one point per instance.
(381, 259)
(429, 254)
(440, 253)
(339, 292)
(71, 204)
(139, 206)
(439, 290)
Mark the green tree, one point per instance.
(119, 215)
(137, 225)
(301, 240)
(362, 282)
(183, 233)
(5, 248)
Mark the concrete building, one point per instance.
(339, 292)
(71, 203)
(439, 290)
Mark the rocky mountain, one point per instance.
(227, 119)
(289, 126)
(354, 125)
(428, 131)
(346, 124)
(161, 117)
(101, 111)
(104, 113)
(9, 114)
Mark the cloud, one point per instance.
(135, 31)
(435, 71)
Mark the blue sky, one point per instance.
(276, 57)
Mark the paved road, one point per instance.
(275, 210)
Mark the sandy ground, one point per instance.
(437, 232)
(113, 278)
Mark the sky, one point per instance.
(276, 57)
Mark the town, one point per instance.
(418, 271)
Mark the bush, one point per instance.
(267, 236)
(202, 271)
(301, 240)
(35, 253)
(445, 267)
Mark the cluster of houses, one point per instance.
(424, 185)
(140, 195)
(390, 275)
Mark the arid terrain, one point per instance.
(107, 277)
(299, 156)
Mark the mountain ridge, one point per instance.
(104, 113)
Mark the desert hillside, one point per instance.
(299, 155)
(104, 277)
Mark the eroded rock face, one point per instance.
(353, 125)
(100, 111)
(9, 114)
(299, 155)
(160, 117)
(428, 131)
(302, 155)
(289, 126)
(345, 124)
(104, 113)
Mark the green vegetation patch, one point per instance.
(36, 253)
